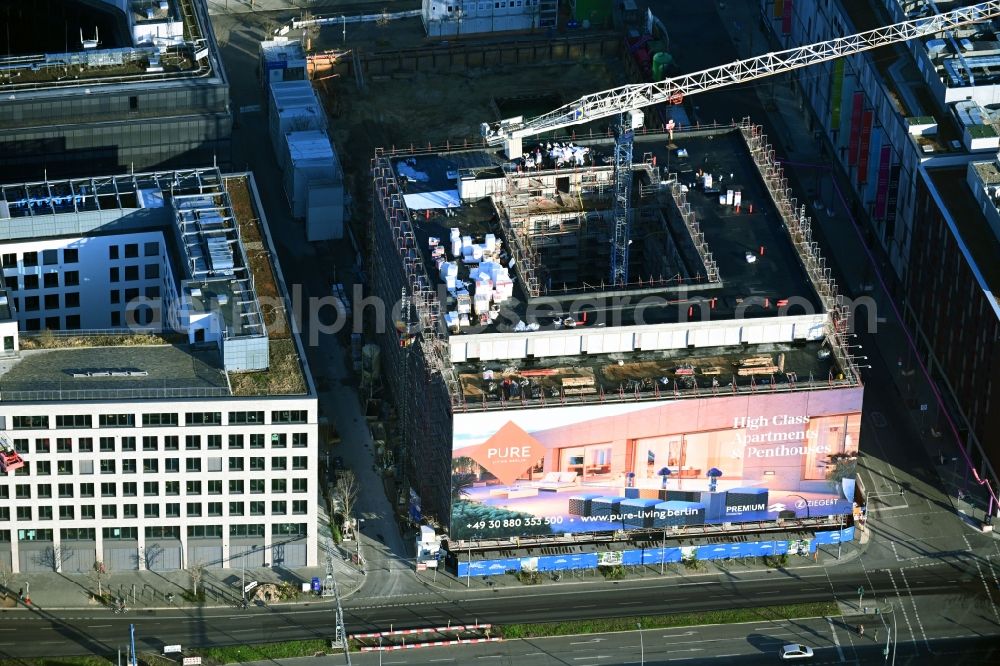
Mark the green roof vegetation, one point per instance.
(50, 340)
(283, 376)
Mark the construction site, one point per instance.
(504, 271)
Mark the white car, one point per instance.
(795, 651)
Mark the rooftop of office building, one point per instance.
(101, 42)
(971, 197)
(706, 235)
(229, 332)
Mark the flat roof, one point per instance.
(981, 244)
(191, 202)
(94, 373)
(38, 73)
(904, 83)
(776, 275)
(672, 373)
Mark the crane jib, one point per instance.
(628, 98)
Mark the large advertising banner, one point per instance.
(654, 465)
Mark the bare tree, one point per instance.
(99, 575)
(197, 573)
(6, 577)
(345, 494)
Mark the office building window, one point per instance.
(203, 418)
(116, 420)
(159, 419)
(243, 418)
(285, 416)
(30, 423)
(74, 421)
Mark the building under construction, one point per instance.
(108, 86)
(537, 399)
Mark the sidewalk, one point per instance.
(159, 590)
(827, 557)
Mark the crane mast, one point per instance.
(625, 101)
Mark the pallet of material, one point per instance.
(538, 373)
(714, 370)
(756, 361)
(757, 370)
(571, 382)
(586, 390)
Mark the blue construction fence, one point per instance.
(654, 556)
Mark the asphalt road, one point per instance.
(752, 643)
(957, 596)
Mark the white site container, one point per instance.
(325, 210)
(309, 158)
(292, 107)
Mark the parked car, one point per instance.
(796, 651)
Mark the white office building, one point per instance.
(152, 416)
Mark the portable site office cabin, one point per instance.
(293, 107)
(309, 158)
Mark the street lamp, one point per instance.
(642, 647)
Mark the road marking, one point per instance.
(989, 595)
(592, 640)
(98, 626)
(434, 660)
(597, 656)
(902, 607)
(630, 603)
(836, 639)
(920, 624)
